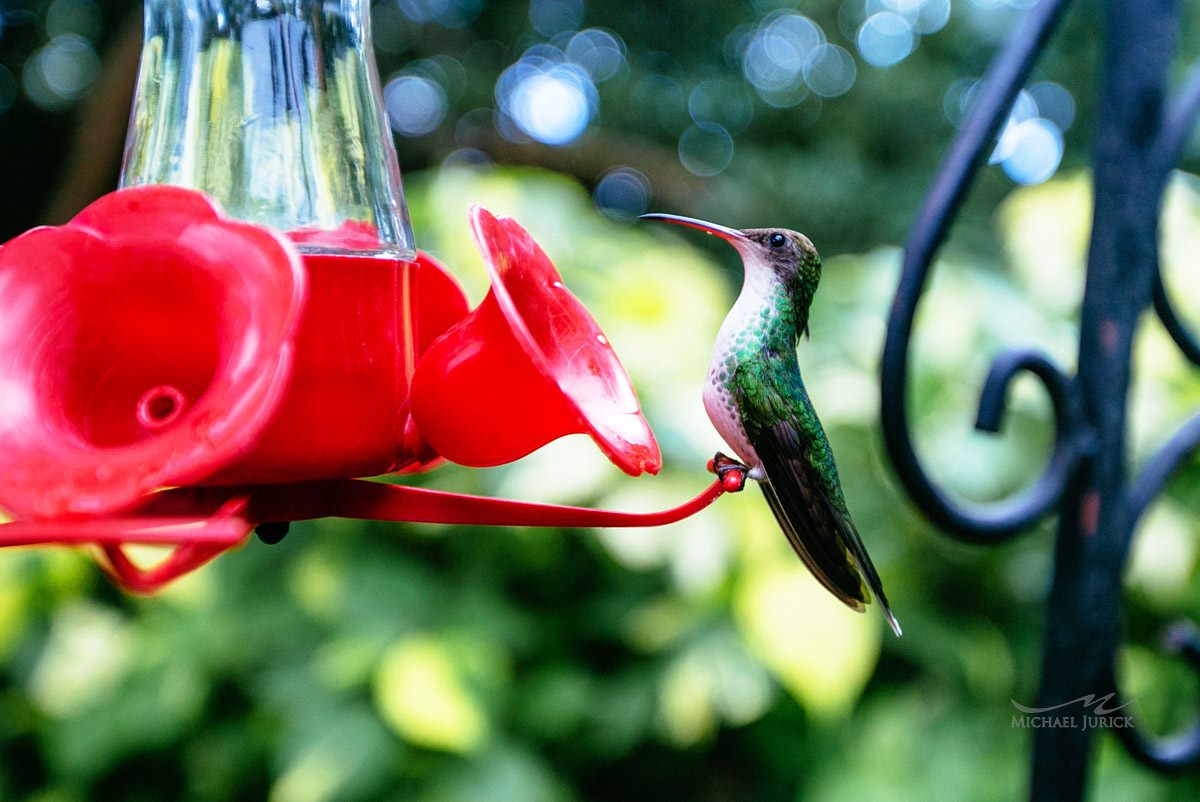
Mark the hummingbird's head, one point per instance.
(788, 255)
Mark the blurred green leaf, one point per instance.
(822, 652)
(420, 693)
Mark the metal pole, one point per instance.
(1095, 525)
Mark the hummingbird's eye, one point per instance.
(777, 241)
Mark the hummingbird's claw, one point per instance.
(731, 472)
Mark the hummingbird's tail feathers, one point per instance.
(859, 552)
(893, 622)
(850, 533)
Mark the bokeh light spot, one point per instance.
(774, 56)
(1054, 102)
(957, 100)
(623, 193)
(705, 149)
(547, 99)
(1035, 151)
(829, 71)
(551, 107)
(60, 72)
(69, 65)
(415, 105)
(599, 52)
(932, 17)
(885, 39)
(1023, 109)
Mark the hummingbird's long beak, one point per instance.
(728, 234)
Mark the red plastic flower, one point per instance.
(143, 344)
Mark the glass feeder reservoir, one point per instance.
(273, 108)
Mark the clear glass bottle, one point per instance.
(272, 107)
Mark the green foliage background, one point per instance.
(698, 661)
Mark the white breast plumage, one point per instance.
(742, 326)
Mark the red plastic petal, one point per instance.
(564, 343)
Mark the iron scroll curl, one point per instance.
(997, 521)
(1176, 753)
(1181, 119)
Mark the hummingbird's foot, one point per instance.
(731, 472)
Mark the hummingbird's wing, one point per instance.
(803, 491)
(819, 529)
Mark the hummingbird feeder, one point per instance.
(243, 330)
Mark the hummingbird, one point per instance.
(755, 397)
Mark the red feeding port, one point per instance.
(528, 366)
(134, 352)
